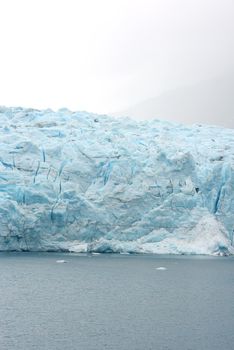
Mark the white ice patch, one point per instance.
(78, 247)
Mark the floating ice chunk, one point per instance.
(61, 261)
(161, 268)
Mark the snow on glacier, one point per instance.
(82, 182)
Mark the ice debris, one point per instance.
(76, 181)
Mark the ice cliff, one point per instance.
(84, 182)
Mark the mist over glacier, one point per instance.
(77, 181)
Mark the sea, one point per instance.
(62, 301)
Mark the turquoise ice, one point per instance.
(77, 181)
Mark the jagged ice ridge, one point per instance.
(77, 181)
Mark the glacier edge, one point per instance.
(76, 181)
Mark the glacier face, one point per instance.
(83, 182)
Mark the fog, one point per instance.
(107, 56)
(207, 102)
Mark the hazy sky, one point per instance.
(106, 55)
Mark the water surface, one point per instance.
(115, 302)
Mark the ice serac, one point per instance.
(84, 182)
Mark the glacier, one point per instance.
(81, 182)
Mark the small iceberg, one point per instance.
(161, 268)
(61, 261)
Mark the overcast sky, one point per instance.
(105, 55)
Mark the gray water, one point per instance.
(115, 302)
